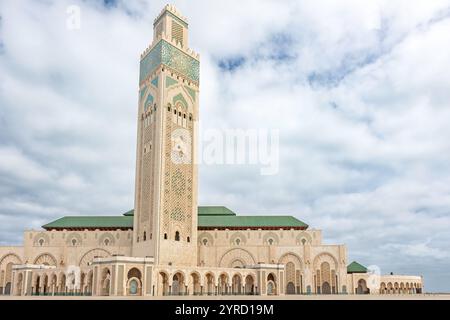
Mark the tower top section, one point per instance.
(170, 48)
(171, 11)
(172, 25)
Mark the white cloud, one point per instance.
(358, 91)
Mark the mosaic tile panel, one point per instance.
(165, 53)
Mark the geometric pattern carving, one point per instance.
(291, 257)
(236, 254)
(45, 259)
(91, 254)
(74, 239)
(41, 239)
(205, 236)
(165, 53)
(325, 257)
(177, 201)
(303, 238)
(106, 239)
(8, 258)
(238, 238)
(270, 236)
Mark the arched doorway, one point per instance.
(36, 285)
(178, 284)
(236, 286)
(271, 285)
(290, 288)
(62, 284)
(106, 282)
(19, 284)
(249, 285)
(362, 287)
(163, 284)
(45, 285)
(326, 289)
(223, 284)
(8, 289)
(134, 282)
(195, 284)
(209, 284)
(326, 278)
(290, 277)
(90, 280)
(8, 276)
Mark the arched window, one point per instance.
(145, 236)
(188, 239)
(168, 108)
(175, 111)
(303, 241)
(133, 287)
(106, 242)
(238, 241)
(74, 242)
(165, 236)
(177, 236)
(270, 241)
(41, 242)
(205, 242)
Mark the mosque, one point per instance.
(168, 245)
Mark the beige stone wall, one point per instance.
(301, 252)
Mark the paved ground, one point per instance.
(286, 297)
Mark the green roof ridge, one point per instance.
(356, 267)
(208, 217)
(214, 211)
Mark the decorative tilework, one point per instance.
(180, 61)
(155, 82)
(170, 81)
(150, 61)
(148, 102)
(169, 55)
(142, 93)
(190, 91)
(179, 97)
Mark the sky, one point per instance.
(358, 91)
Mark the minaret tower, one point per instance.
(165, 219)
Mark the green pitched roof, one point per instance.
(129, 213)
(208, 217)
(215, 211)
(249, 221)
(355, 267)
(91, 222)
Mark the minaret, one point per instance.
(165, 219)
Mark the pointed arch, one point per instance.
(236, 253)
(46, 259)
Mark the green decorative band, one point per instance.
(179, 98)
(148, 102)
(142, 92)
(170, 81)
(167, 54)
(155, 82)
(190, 91)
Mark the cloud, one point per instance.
(358, 92)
